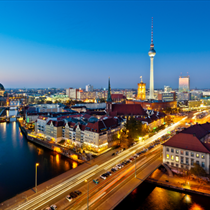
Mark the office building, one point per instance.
(89, 88)
(184, 84)
(167, 89)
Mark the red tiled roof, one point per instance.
(187, 142)
(56, 123)
(128, 109)
(118, 96)
(198, 130)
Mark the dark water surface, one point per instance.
(17, 162)
(149, 197)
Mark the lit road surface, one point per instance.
(104, 190)
(60, 191)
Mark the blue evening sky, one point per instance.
(74, 43)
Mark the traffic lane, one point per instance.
(150, 140)
(94, 190)
(121, 182)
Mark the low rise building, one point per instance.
(190, 146)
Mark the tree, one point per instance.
(102, 100)
(125, 140)
(197, 170)
(134, 128)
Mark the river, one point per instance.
(149, 197)
(17, 162)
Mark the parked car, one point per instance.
(53, 207)
(119, 166)
(109, 173)
(113, 169)
(131, 159)
(103, 176)
(73, 195)
(96, 181)
(78, 192)
(69, 198)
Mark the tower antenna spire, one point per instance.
(152, 31)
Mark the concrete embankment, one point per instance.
(54, 147)
(177, 188)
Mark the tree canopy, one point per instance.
(197, 170)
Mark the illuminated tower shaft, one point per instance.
(151, 88)
(151, 53)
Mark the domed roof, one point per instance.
(1, 87)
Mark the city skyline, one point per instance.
(67, 45)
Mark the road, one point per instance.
(60, 191)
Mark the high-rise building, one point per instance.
(73, 93)
(141, 91)
(89, 88)
(184, 84)
(167, 89)
(152, 54)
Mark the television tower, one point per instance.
(151, 53)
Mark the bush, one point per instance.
(197, 170)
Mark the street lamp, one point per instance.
(37, 164)
(87, 194)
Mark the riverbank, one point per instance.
(180, 183)
(24, 196)
(80, 158)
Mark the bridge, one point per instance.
(107, 194)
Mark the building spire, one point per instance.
(109, 98)
(152, 31)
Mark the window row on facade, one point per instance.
(186, 153)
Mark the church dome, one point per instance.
(1, 87)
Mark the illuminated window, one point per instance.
(182, 152)
(177, 151)
(172, 157)
(167, 156)
(197, 155)
(202, 156)
(177, 158)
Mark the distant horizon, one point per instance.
(103, 88)
(72, 43)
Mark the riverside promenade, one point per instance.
(27, 195)
(80, 158)
(184, 184)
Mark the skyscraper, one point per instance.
(151, 53)
(184, 84)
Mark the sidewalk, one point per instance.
(181, 182)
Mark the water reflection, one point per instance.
(149, 197)
(57, 159)
(196, 206)
(40, 151)
(17, 154)
(4, 127)
(74, 164)
(67, 166)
